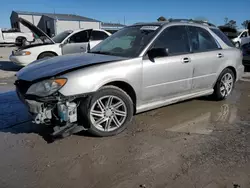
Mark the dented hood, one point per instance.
(60, 64)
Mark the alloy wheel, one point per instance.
(108, 113)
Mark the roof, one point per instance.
(189, 21)
(69, 17)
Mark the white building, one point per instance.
(53, 24)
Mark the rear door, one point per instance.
(206, 58)
(77, 43)
(96, 37)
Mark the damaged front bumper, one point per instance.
(57, 111)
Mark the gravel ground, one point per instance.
(193, 144)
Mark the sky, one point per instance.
(133, 10)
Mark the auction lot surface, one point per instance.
(197, 144)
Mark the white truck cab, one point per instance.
(10, 36)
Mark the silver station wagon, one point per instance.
(139, 68)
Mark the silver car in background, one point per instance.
(139, 68)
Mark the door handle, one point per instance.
(186, 60)
(82, 47)
(219, 55)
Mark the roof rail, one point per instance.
(191, 21)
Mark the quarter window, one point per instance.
(201, 40)
(175, 39)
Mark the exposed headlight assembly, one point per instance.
(46, 87)
(22, 53)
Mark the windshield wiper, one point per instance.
(101, 52)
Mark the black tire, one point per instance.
(217, 93)
(20, 41)
(86, 105)
(46, 55)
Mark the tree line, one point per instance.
(227, 22)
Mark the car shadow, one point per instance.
(9, 66)
(15, 119)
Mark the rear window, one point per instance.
(223, 37)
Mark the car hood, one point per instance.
(35, 29)
(52, 67)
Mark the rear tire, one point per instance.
(107, 112)
(224, 85)
(46, 55)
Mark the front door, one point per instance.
(245, 38)
(206, 56)
(170, 76)
(77, 43)
(97, 37)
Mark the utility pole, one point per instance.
(124, 21)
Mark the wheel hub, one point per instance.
(108, 113)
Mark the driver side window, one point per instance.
(243, 35)
(174, 39)
(82, 36)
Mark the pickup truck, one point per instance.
(13, 36)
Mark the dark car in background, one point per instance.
(246, 54)
(231, 33)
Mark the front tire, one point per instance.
(107, 112)
(224, 85)
(46, 55)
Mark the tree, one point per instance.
(232, 24)
(161, 19)
(245, 23)
(226, 20)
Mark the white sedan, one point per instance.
(67, 42)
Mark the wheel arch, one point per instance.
(47, 52)
(127, 88)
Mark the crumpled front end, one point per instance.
(55, 110)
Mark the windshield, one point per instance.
(127, 42)
(61, 36)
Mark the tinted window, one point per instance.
(244, 34)
(79, 37)
(223, 37)
(201, 40)
(98, 35)
(61, 36)
(175, 39)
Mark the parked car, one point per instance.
(231, 33)
(67, 42)
(246, 54)
(10, 36)
(138, 68)
(241, 39)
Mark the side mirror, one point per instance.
(158, 52)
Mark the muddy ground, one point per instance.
(194, 144)
(197, 143)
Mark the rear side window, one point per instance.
(175, 39)
(201, 40)
(223, 37)
(98, 35)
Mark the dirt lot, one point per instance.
(193, 144)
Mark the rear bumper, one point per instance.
(240, 72)
(21, 60)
